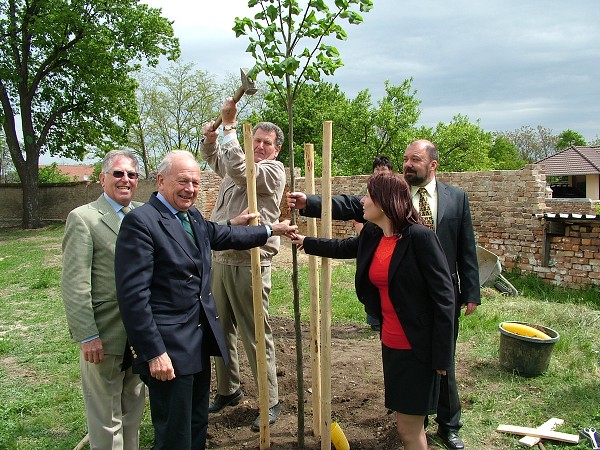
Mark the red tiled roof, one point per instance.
(83, 172)
(575, 160)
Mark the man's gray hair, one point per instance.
(107, 162)
(165, 165)
(270, 127)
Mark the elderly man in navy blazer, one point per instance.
(451, 220)
(162, 271)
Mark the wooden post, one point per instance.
(313, 282)
(259, 317)
(326, 293)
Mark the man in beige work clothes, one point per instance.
(232, 274)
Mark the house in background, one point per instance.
(77, 172)
(578, 169)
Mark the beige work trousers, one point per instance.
(114, 403)
(232, 289)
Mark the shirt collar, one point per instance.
(166, 203)
(429, 187)
(117, 206)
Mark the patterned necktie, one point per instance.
(125, 209)
(187, 226)
(424, 208)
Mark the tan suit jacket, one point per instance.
(88, 278)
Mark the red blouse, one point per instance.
(392, 333)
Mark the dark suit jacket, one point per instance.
(420, 286)
(163, 285)
(454, 229)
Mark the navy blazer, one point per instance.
(163, 285)
(454, 229)
(420, 286)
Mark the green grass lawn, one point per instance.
(40, 395)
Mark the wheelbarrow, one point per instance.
(490, 272)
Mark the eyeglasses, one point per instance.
(121, 174)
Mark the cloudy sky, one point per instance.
(507, 63)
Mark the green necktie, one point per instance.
(187, 226)
(125, 209)
(424, 208)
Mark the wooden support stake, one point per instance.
(549, 425)
(82, 442)
(259, 317)
(326, 293)
(527, 431)
(313, 282)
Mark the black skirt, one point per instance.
(411, 387)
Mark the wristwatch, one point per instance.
(229, 127)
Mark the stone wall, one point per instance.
(504, 205)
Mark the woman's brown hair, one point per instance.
(391, 193)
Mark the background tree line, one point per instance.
(72, 85)
(173, 105)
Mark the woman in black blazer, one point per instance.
(402, 278)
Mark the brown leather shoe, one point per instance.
(451, 440)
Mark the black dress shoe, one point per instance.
(451, 440)
(273, 415)
(221, 401)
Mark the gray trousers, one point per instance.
(114, 403)
(232, 289)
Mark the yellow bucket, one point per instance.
(338, 438)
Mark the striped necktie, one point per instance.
(125, 209)
(187, 226)
(424, 208)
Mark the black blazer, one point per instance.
(420, 286)
(454, 229)
(163, 285)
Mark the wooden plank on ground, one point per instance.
(528, 431)
(549, 425)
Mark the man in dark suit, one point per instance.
(162, 271)
(451, 217)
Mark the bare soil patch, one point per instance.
(357, 402)
(357, 394)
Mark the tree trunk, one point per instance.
(31, 189)
(296, 289)
(26, 164)
(144, 153)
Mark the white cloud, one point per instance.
(483, 59)
(508, 63)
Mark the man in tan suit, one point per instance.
(114, 400)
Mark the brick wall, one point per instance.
(57, 199)
(503, 207)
